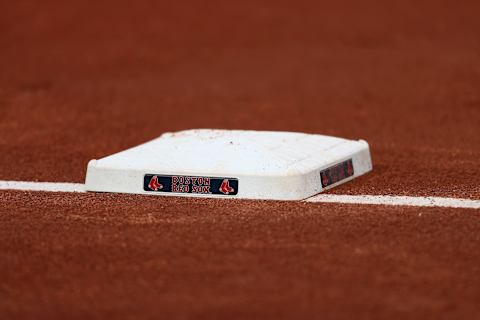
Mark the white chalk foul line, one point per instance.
(397, 201)
(42, 186)
(323, 198)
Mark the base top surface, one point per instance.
(231, 152)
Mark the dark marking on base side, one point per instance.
(336, 173)
(190, 184)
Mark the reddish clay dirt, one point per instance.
(115, 256)
(83, 80)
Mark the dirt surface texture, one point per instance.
(81, 80)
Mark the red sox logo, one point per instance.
(324, 179)
(154, 184)
(225, 187)
(349, 169)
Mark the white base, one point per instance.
(267, 165)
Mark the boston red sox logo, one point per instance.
(324, 179)
(225, 187)
(349, 168)
(154, 184)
